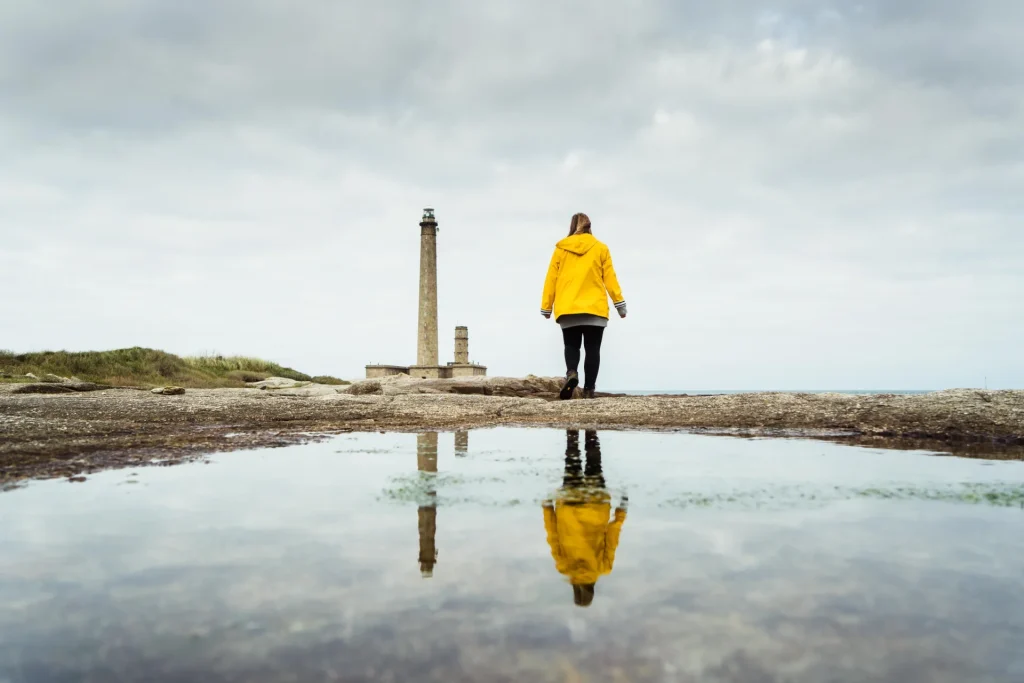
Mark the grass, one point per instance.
(148, 368)
(240, 367)
(327, 379)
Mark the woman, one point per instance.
(579, 281)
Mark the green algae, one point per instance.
(995, 495)
(428, 488)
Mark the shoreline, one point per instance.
(70, 434)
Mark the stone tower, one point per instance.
(461, 345)
(426, 343)
(462, 367)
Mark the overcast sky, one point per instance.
(801, 194)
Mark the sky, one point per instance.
(805, 194)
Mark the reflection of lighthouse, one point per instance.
(426, 461)
(461, 443)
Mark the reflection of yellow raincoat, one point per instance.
(582, 538)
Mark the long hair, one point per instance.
(580, 223)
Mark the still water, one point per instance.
(521, 555)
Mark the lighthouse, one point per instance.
(427, 364)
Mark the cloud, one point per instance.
(819, 195)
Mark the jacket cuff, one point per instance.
(545, 311)
(620, 304)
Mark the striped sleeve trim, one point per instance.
(545, 312)
(620, 304)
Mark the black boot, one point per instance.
(588, 393)
(572, 380)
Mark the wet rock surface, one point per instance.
(74, 432)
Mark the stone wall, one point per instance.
(377, 371)
(468, 370)
(430, 371)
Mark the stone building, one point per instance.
(427, 365)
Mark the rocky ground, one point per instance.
(47, 432)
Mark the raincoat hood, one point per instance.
(578, 244)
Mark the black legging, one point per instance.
(590, 336)
(576, 476)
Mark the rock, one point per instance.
(42, 388)
(57, 388)
(76, 479)
(365, 388)
(397, 385)
(79, 385)
(62, 387)
(169, 391)
(276, 383)
(306, 390)
(31, 375)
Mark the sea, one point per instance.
(706, 392)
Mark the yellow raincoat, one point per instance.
(580, 278)
(582, 538)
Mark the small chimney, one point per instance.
(462, 345)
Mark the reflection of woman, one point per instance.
(582, 537)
